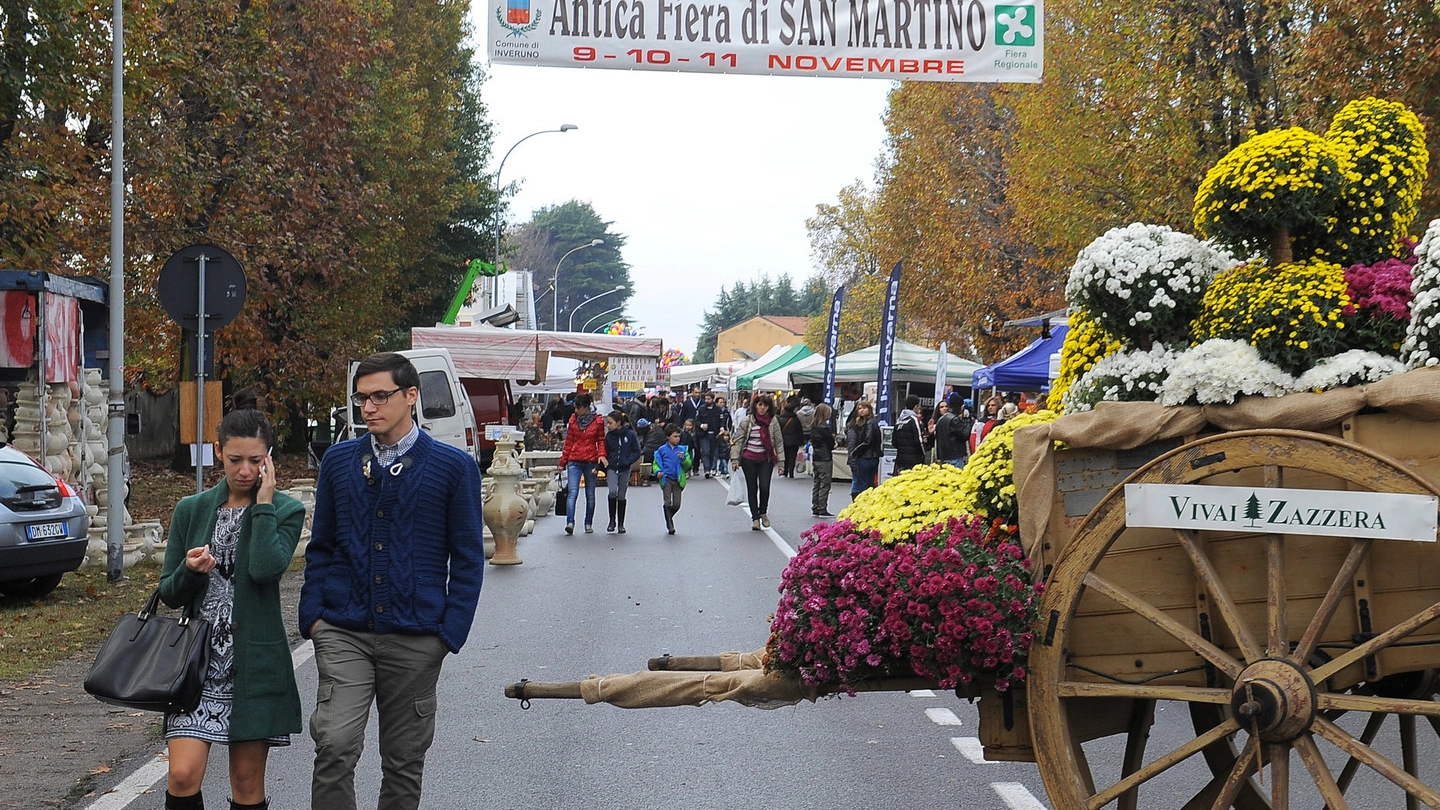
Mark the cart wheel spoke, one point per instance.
(1372, 727)
(1409, 757)
(1211, 580)
(1377, 762)
(1369, 648)
(1239, 775)
(1278, 639)
(1164, 763)
(1279, 758)
(1321, 620)
(1206, 797)
(1142, 716)
(1320, 772)
(1190, 638)
(1383, 705)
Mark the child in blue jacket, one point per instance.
(672, 461)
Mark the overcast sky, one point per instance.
(710, 177)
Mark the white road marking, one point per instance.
(942, 717)
(921, 693)
(769, 531)
(971, 749)
(1016, 797)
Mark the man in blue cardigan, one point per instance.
(392, 577)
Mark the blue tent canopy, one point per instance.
(1025, 370)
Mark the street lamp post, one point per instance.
(555, 283)
(571, 328)
(490, 292)
(586, 327)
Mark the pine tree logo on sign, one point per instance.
(1016, 25)
(517, 17)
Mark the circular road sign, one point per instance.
(180, 287)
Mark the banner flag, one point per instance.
(17, 350)
(883, 393)
(939, 41)
(832, 339)
(940, 371)
(62, 338)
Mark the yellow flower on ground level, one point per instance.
(908, 503)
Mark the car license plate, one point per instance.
(45, 531)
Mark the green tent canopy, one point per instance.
(746, 381)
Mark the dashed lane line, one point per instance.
(1016, 796)
(971, 749)
(942, 717)
(922, 693)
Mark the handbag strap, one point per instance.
(153, 604)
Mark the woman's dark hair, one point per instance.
(245, 421)
(758, 401)
(583, 400)
(619, 417)
(402, 371)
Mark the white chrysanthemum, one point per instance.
(1217, 371)
(1425, 308)
(1133, 376)
(1144, 282)
(1349, 368)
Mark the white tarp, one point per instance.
(943, 40)
(513, 354)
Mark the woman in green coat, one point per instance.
(227, 550)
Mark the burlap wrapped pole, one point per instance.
(1126, 425)
(648, 690)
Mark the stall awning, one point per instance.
(911, 363)
(746, 381)
(1025, 370)
(514, 354)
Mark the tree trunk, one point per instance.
(1280, 252)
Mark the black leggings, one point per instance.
(791, 451)
(757, 485)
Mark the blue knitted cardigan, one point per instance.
(399, 552)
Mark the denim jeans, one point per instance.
(573, 471)
(707, 452)
(862, 474)
(958, 461)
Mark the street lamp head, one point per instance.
(567, 127)
(596, 242)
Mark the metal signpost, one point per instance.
(199, 302)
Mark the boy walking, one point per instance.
(672, 461)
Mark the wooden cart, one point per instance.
(1265, 641)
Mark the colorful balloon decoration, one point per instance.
(674, 357)
(619, 328)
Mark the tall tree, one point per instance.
(763, 296)
(585, 275)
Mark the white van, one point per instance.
(443, 408)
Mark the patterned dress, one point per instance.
(211, 719)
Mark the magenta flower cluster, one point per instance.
(956, 604)
(1383, 287)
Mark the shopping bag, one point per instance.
(736, 495)
(152, 663)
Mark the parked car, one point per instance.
(43, 526)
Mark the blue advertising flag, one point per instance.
(884, 396)
(832, 339)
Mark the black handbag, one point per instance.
(152, 663)
(560, 501)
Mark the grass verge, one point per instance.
(37, 633)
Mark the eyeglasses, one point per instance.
(374, 397)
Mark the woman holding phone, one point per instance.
(228, 548)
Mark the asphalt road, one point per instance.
(603, 604)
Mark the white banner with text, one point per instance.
(1333, 513)
(913, 40)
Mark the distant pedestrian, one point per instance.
(865, 447)
(622, 450)
(584, 453)
(392, 577)
(673, 461)
(756, 449)
(707, 427)
(908, 437)
(793, 432)
(822, 463)
(725, 424)
(952, 431)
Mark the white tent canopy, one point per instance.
(779, 379)
(683, 376)
(911, 363)
(759, 362)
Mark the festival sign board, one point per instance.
(913, 40)
(1332, 513)
(632, 369)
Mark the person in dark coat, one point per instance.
(822, 460)
(908, 438)
(865, 447)
(793, 432)
(654, 437)
(228, 548)
(622, 449)
(707, 428)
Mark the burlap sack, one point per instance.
(648, 690)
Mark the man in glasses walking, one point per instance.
(392, 577)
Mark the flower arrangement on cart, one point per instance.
(1303, 302)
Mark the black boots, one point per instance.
(263, 805)
(620, 510)
(612, 504)
(173, 802)
(670, 519)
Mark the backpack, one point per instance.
(960, 428)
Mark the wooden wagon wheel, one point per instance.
(1284, 635)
